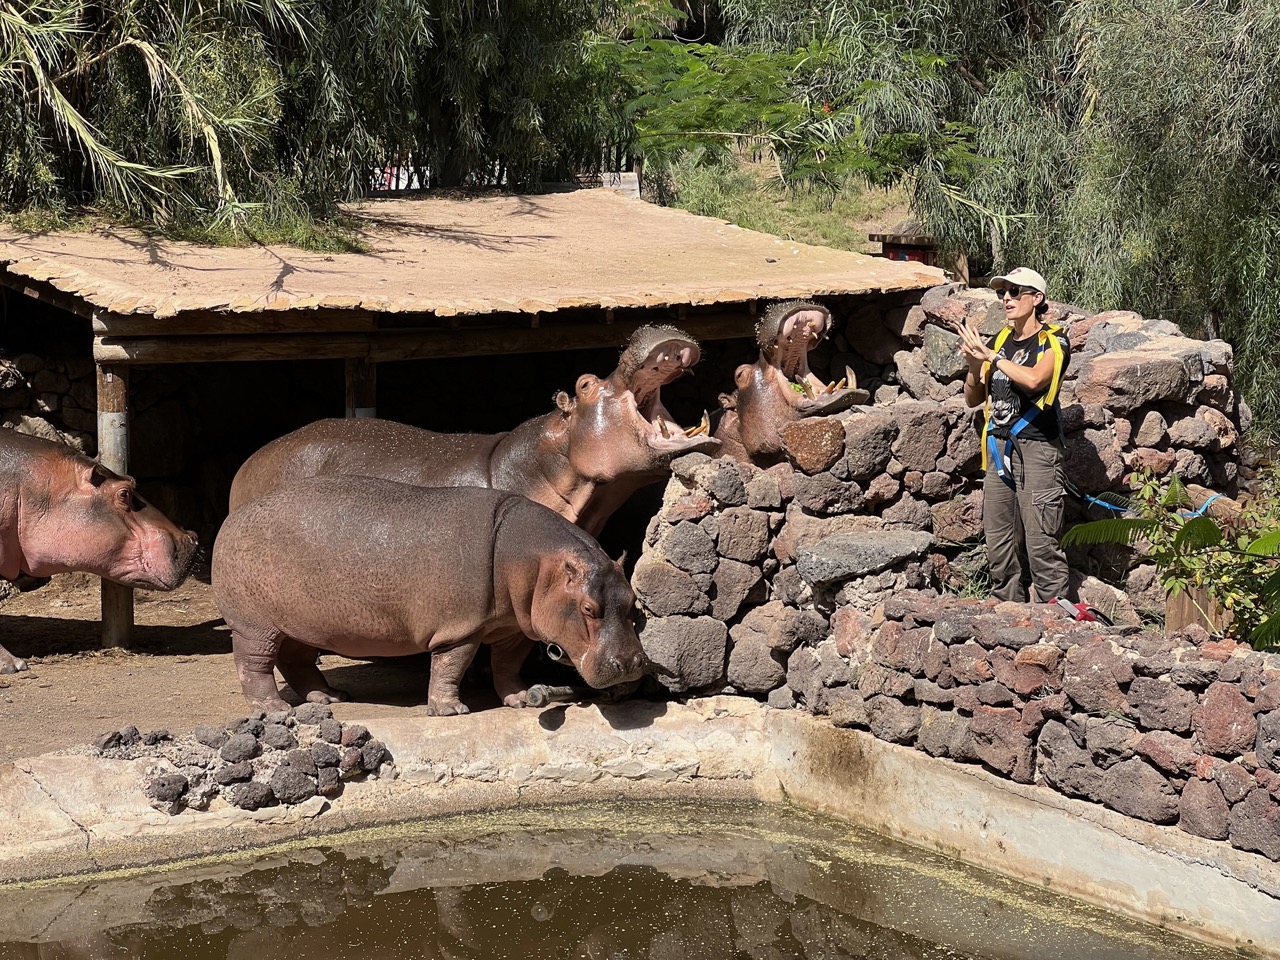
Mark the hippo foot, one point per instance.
(11, 664)
(446, 708)
(516, 699)
(272, 705)
(327, 695)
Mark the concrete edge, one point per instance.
(77, 814)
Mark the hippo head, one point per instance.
(584, 604)
(618, 426)
(779, 387)
(100, 525)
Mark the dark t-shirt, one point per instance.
(1009, 401)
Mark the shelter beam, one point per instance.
(113, 452)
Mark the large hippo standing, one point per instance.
(779, 387)
(582, 460)
(365, 567)
(61, 511)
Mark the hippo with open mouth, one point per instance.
(583, 460)
(779, 387)
(365, 567)
(61, 511)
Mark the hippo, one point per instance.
(365, 567)
(582, 460)
(61, 511)
(779, 387)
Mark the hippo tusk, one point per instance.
(662, 426)
(851, 378)
(805, 387)
(703, 427)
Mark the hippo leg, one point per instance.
(297, 664)
(447, 668)
(9, 663)
(255, 665)
(507, 657)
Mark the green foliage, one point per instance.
(1234, 560)
(249, 117)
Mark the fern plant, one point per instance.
(1234, 559)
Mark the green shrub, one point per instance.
(1234, 559)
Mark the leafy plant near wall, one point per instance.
(1234, 560)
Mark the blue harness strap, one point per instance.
(1002, 459)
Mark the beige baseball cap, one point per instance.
(1020, 277)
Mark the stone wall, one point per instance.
(1167, 728)
(799, 583)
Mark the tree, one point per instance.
(181, 113)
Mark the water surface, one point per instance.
(635, 880)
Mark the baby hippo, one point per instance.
(365, 567)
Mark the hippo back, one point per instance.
(366, 447)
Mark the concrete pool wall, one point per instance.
(77, 813)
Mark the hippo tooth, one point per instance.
(702, 429)
(851, 379)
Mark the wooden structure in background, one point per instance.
(437, 278)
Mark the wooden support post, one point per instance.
(113, 451)
(362, 387)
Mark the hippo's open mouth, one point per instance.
(797, 335)
(668, 361)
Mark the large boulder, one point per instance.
(848, 555)
(688, 653)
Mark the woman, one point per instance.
(1018, 374)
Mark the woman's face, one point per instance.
(1019, 303)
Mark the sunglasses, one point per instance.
(1015, 292)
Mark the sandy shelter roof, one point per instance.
(438, 260)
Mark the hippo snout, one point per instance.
(622, 664)
(631, 667)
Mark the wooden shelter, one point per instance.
(436, 277)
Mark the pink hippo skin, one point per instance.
(60, 511)
(779, 387)
(365, 567)
(583, 460)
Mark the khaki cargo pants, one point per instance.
(1027, 518)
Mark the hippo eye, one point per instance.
(589, 610)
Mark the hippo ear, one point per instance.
(622, 559)
(742, 376)
(574, 571)
(728, 400)
(588, 386)
(96, 475)
(565, 403)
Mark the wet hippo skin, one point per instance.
(779, 387)
(583, 460)
(61, 511)
(365, 567)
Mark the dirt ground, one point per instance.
(178, 671)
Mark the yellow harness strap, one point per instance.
(1047, 337)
